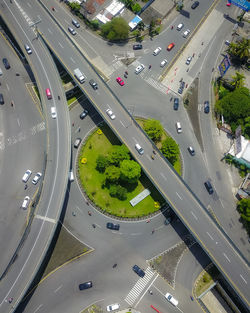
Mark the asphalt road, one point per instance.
(194, 216)
(22, 132)
(57, 150)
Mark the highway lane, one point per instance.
(22, 129)
(191, 212)
(55, 181)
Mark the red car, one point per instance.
(170, 47)
(120, 81)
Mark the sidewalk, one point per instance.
(195, 49)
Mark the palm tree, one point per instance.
(240, 49)
(238, 80)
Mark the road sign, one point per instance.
(243, 4)
(224, 66)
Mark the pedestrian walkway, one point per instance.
(139, 287)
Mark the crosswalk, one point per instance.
(157, 85)
(139, 286)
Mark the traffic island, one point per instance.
(67, 249)
(166, 264)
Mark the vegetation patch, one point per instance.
(93, 309)
(206, 279)
(163, 141)
(111, 178)
(67, 248)
(243, 206)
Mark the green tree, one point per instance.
(130, 171)
(141, 26)
(118, 154)
(238, 80)
(243, 207)
(121, 193)
(240, 50)
(112, 174)
(75, 7)
(101, 163)
(170, 150)
(95, 24)
(154, 129)
(116, 29)
(136, 7)
(235, 107)
(246, 127)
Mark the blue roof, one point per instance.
(136, 19)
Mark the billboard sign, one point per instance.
(224, 65)
(243, 4)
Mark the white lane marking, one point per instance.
(8, 87)
(38, 308)
(122, 123)
(28, 4)
(146, 290)
(60, 45)
(163, 176)
(178, 195)
(57, 289)
(210, 236)
(49, 31)
(194, 216)
(18, 122)
(222, 204)
(45, 218)
(72, 60)
(226, 257)
(243, 279)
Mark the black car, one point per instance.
(206, 107)
(84, 114)
(137, 46)
(180, 90)
(195, 5)
(209, 187)
(138, 271)
(93, 84)
(176, 104)
(6, 63)
(113, 226)
(86, 285)
(182, 84)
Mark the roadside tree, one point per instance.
(154, 129)
(243, 207)
(170, 150)
(116, 29)
(118, 154)
(112, 174)
(240, 50)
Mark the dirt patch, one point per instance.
(127, 61)
(191, 105)
(67, 248)
(166, 264)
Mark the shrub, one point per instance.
(101, 163)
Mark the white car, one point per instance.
(26, 176)
(110, 114)
(27, 48)
(163, 63)
(113, 307)
(25, 203)
(139, 68)
(157, 51)
(72, 31)
(180, 26)
(36, 179)
(189, 59)
(53, 112)
(186, 33)
(171, 299)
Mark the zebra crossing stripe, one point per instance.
(139, 286)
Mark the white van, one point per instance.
(139, 148)
(178, 127)
(71, 176)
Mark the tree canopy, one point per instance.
(112, 174)
(243, 207)
(240, 50)
(235, 107)
(154, 129)
(118, 154)
(101, 163)
(130, 171)
(170, 150)
(116, 29)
